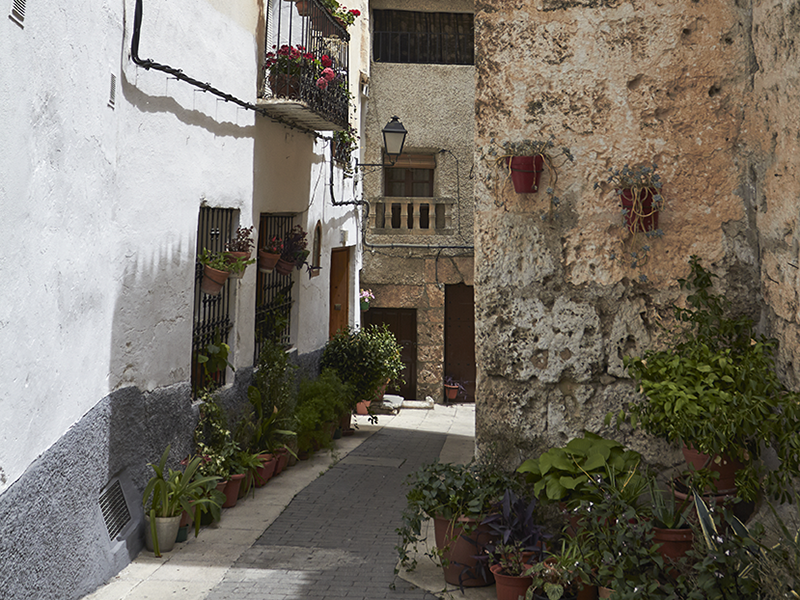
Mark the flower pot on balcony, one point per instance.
(640, 216)
(213, 280)
(284, 85)
(267, 261)
(303, 7)
(525, 172)
(364, 305)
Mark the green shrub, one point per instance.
(320, 401)
(364, 358)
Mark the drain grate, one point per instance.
(115, 510)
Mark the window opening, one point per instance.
(212, 320)
(316, 254)
(404, 36)
(273, 290)
(411, 176)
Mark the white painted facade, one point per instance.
(100, 202)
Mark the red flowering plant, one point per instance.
(292, 60)
(274, 246)
(348, 17)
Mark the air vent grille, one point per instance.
(115, 509)
(18, 11)
(112, 95)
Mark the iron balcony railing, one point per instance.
(306, 70)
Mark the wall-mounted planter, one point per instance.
(213, 280)
(267, 261)
(641, 215)
(525, 172)
(231, 258)
(284, 267)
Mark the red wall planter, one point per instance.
(641, 216)
(525, 172)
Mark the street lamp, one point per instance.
(394, 137)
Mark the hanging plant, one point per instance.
(638, 190)
(523, 163)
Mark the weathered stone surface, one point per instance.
(564, 293)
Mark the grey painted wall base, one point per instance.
(53, 540)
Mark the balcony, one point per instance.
(412, 216)
(306, 71)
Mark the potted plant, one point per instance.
(287, 67)
(714, 390)
(238, 250)
(217, 266)
(615, 543)
(515, 523)
(212, 359)
(457, 498)
(364, 298)
(294, 252)
(639, 192)
(568, 474)
(367, 358)
(453, 387)
(345, 141)
(170, 493)
(524, 161)
(511, 571)
(557, 577)
(270, 254)
(672, 532)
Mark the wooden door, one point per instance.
(402, 323)
(340, 290)
(459, 337)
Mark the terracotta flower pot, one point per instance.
(674, 543)
(231, 258)
(282, 460)
(284, 267)
(450, 391)
(510, 587)
(460, 550)
(641, 216)
(722, 464)
(267, 469)
(232, 490)
(267, 261)
(213, 280)
(362, 408)
(303, 7)
(525, 172)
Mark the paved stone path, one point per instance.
(336, 538)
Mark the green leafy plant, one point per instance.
(169, 493)
(667, 512)
(365, 358)
(242, 241)
(345, 142)
(556, 576)
(222, 261)
(213, 441)
(320, 401)
(715, 389)
(449, 491)
(295, 246)
(213, 358)
(567, 474)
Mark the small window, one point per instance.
(316, 254)
(404, 36)
(410, 177)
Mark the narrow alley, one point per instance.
(324, 529)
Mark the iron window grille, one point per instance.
(212, 314)
(273, 290)
(403, 36)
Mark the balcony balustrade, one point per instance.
(306, 71)
(412, 216)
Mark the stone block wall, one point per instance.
(702, 89)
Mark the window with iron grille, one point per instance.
(404, 36)
(212, 314)
(273, 290)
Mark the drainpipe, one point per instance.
(178, 74)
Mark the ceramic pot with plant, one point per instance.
(516, 523)
(167, 495)
(524, 161)
(639, 192)
(715, 389)
(557, 576)
(672, 532)
(453, 387)
(510, 571)
(364, 298)
(294, 251)
(238, 251)
(288, 67)
(216, 269)
(270, 254)
(458, 498)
